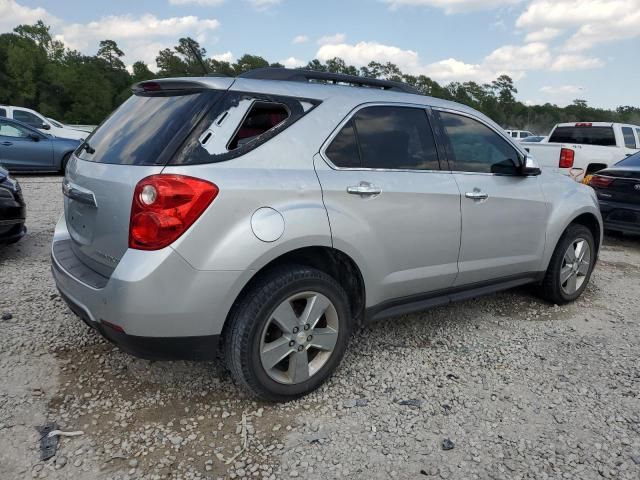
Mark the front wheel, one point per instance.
(288, 333)
(571, 266)
(63, 163)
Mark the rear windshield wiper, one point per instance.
(87, 148)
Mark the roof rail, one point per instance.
(301, 75)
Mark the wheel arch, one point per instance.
(329, 260)
(588, 219)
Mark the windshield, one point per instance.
(55, 123)
(147, 129)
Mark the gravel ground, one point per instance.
(501, 387)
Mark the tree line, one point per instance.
(39, 72)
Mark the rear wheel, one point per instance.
(570, 267)
(288, 333)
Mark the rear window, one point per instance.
(632, 161)
(147, 129)
(602, 136)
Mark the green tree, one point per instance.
(111, 54)
(141, 72)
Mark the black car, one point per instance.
(618, 190)
(13, 211)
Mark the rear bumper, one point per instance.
(11, 233)
(623, 217)
(154, 305)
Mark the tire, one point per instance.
(63, 163)
(253, 333)
(554, 289)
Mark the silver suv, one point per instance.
(266, 216)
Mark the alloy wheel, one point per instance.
(299, 337)
(575, 266)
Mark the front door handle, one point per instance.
(364, 188)
(476, 195)
(7, 144)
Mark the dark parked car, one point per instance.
(23, 148)
(618, 190)
(13, 211)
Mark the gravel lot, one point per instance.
(522, 389)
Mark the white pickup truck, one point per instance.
(579, 149)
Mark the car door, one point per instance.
(24, 149)
(390, 206)
(504, 214)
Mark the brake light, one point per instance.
(164, 207)
(584, 124)
(566, 158)
(600, 182)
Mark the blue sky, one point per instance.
(556, 50)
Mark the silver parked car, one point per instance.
(267, 216)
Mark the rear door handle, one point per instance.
(7, 144)
(364, 188)
(476, 195)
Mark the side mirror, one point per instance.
(530, 167)
(45, 126)
(34, 137)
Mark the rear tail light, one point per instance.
(164, 207)
(566, 158)
(600, 182)
(584, 124)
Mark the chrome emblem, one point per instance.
(637, 186)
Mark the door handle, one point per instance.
(7, 144)
(364, 188)
(476, 195)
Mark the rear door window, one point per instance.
(3, 112)
(584, 135)
(629, 138)
(385, 137)
(28, 118)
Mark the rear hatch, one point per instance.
(136, 141)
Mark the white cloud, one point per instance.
(139, 37)
(13, 14)
(332, 39)
(202, 3)
(223, 57)
(542, 35)
(293, 62)
(262, 5)
(300, 39)
(575, 62)
(452, 6)
(532, 56)
(594, 21)
(562, 89)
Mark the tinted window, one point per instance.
(474, 147)
(262, 117)
(147, 130)
(27, 117)
(10, 130)
(629, 139)
(343, 151)
(514, 134)
(395, 138)
(3, 112)
(632, 161)
(602, 136)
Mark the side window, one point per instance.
(474, 147)
(15, 131)
(514, 134)
(3, 112)
(28, 118)
(395, 138)
(629, 139)
(638, 135)
(343, 151)
(262, 117)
